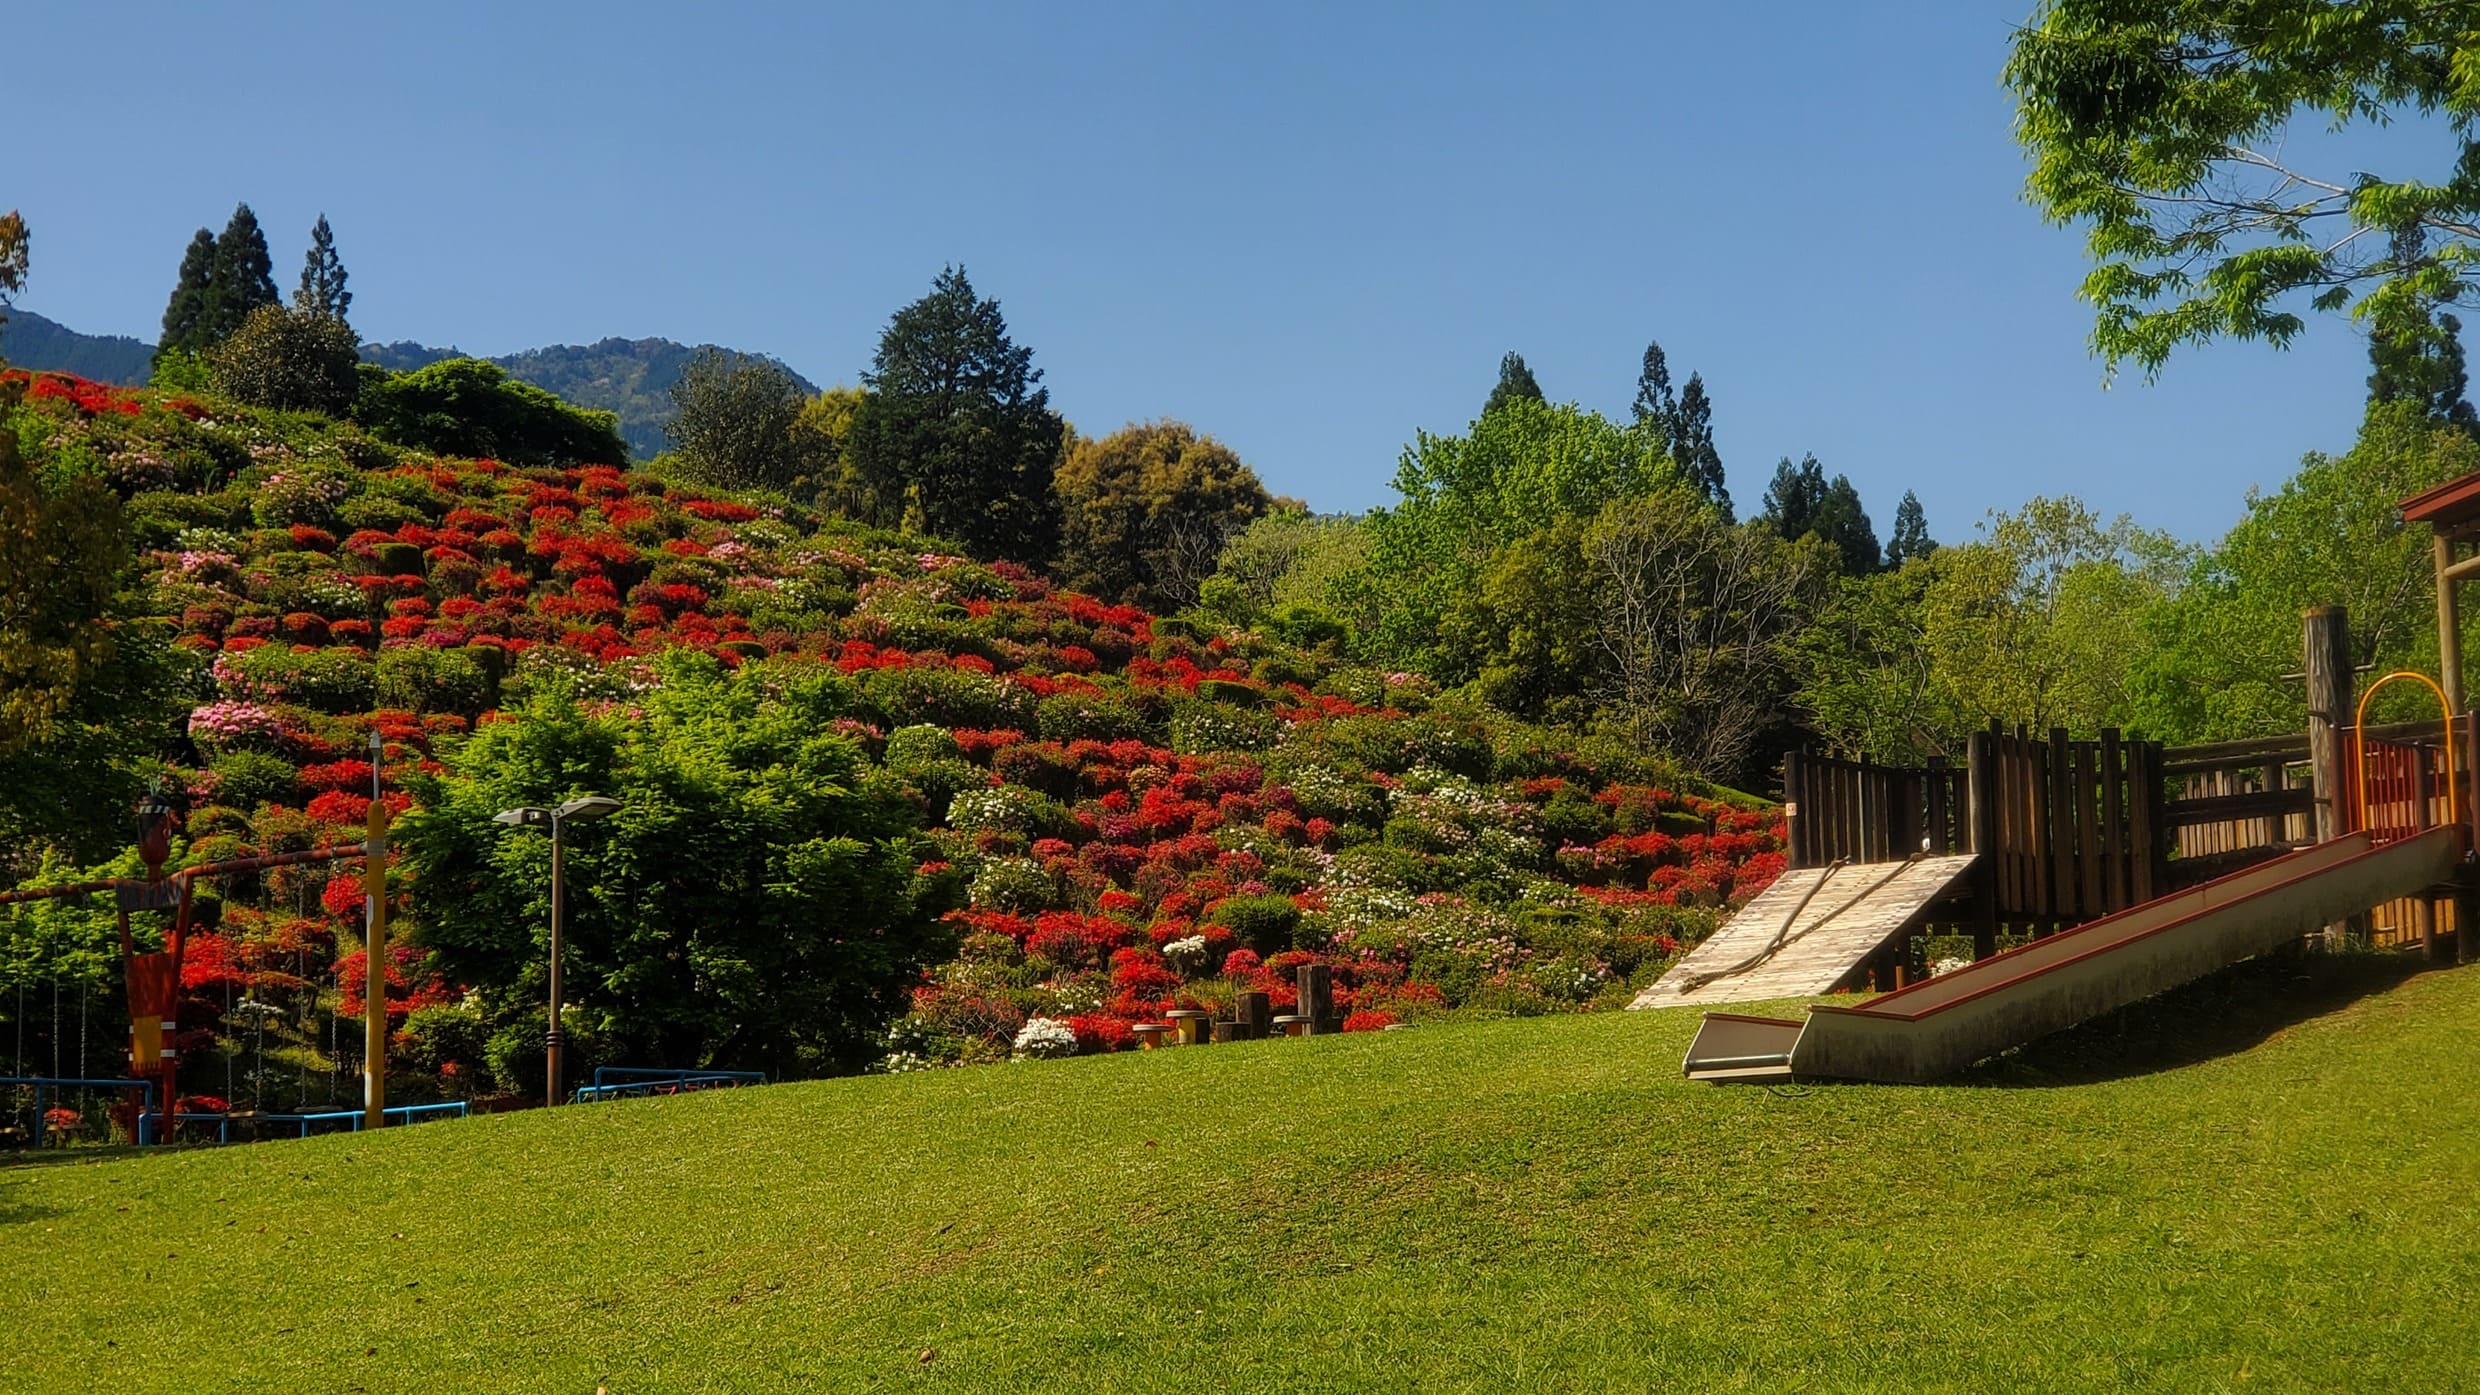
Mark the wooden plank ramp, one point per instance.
(1854, 909)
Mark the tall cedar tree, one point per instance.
(1911, 533)
(2416, 353)
(322, 289)
(1514, 380)
(1657, 407)
(242, 279)
(1802, 501)
(185, 315)
(1692, 445)
(956, 428)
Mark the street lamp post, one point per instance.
(580, 809)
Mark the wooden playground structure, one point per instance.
(2085, 875)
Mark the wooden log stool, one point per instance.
(1150, 1034)
(1291, 1024)
(1191, 1024)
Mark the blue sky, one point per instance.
(1308, 229)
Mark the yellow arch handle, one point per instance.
(2359, 743)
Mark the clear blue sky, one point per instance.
(1307, 229)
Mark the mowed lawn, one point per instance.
(2268, 1182)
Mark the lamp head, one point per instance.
(523, 816)
(586, 806)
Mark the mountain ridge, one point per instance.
(629, 377)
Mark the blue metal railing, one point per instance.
(44, 1083)
(396, 1114)
(637, 1082)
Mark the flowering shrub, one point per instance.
(1135, 813)
(1042, 1038)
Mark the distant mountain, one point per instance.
(630, 377)
(29, 340)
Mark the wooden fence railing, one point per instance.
(2073, 827)
(2073, 830)
(1860, 811)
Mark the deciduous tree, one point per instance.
(732, 421)
(1146, 511)
(290, 360)
(2159, 125)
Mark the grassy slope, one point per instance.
(1533, 1205)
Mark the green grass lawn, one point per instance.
(2264, 1183)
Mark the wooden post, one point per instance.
(2423, 906)
(1251, 1013)
(2467, 892)
(2449, 627)
(2326, 633)
(1795, 820)
(1980, 833)
(2145, 797)
(2061, 826)
(2088, 831)
(1317, 997)
(2114, 824)
(1938, 808)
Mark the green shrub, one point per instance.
(1223, 690)
(947, 697)
(1279, 669)
(1267, 924)
(378, 511)
(1102, 716)
(465, 406)
(247, 779)
(1306, 626)
(434, 680)
(1199, 727)
(920, 744)
(335, 679)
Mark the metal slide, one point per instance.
(1941, 1025)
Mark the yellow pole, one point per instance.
(374, 992)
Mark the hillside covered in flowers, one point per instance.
(1086, 813)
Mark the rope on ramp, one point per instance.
(1784, 939)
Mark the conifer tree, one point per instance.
(185, 315)
(1656, 405)
(1514, 380)
(1911, 533)
(1692, 445)
(1841, 521)
(242, 278)
(322, 289)
(955, 430)
(1792, 500)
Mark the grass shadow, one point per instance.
(2218, 1015)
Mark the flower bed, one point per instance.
(1136, 814)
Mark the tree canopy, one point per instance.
(732, 421)
(2160, 125)
(1146, 510)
